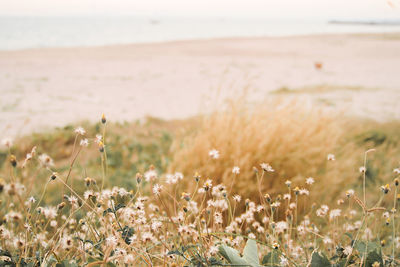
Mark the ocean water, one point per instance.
(35, 32)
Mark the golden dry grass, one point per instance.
(293, 139)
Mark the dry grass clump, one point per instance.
(293, 139)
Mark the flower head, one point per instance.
(79, 130)
(266, 167)
(157, 189)
(236, 170)
(331, 157)
(310, 181)
(213, 153)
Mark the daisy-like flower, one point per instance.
(237, 198)
(266, 167)
(327, 240)
(207, 185)
(84, 142)
(213, 250)
(349, 193)
(304, 191)
(111, 241)
(362, 169)
(348, 250)
(335, 213)
(46, 161)
(150, 175)
(396, 171)
(331, 157)
(157, 189)
(310, 181)
(236, 170)
(98, 139)
(79, 130)
(49, 212)
(31, 200)
(288, 183)
(283, 261)
(213, 153)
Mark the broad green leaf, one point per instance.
(67, 263)
(319, 260)
(271, 259)
(250, 253)
(364, 248)
(232, 256)
(373, 257)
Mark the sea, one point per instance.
(18, 33)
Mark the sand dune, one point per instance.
(42, 88)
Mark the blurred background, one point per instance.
(73, 60)
(284, 82)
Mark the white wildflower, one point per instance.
(335, 213)
(236, 170)
(84, 142)
(157, 189)
(214, 154)
(266, 167)
(79, 130)
(331, 157)
(310, 181)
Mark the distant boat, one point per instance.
(365, 22)
(154, 21)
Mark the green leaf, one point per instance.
(319, 260)
(271, 259)
(232, 256)
(250, 253)
(365, 248)
(372, 257)
(107, 211)
(67, 263)
(119, 206)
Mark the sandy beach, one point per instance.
(43, 88)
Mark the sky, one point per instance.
(380, 9)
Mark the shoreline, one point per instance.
(50, 87)
(396, 34)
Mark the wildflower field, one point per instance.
(267, 187)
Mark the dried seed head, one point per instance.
(197, 176)
(396, 182)
(139, 177)
(101, 147)
(54, 176)
(103, 118)
(13, 160)
(186, 196)
(89, 181)
(2, 184)
(385, 188)
(275, 245)
(61, 206)
(296, 190)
